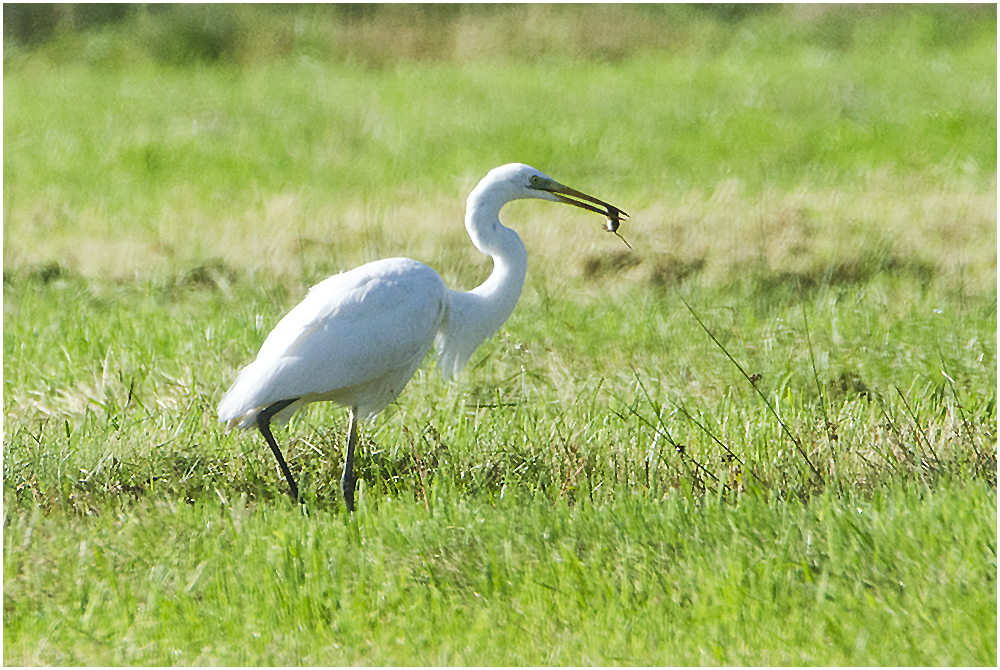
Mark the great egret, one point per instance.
(358, 337)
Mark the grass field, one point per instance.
(812, 193)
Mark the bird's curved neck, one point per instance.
(499, 293)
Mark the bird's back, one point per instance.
(356, 339)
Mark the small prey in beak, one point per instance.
(614, 220)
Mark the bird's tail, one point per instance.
(239, 409)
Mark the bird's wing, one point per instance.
(350, 329)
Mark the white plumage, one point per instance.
(355, 339)
(358, 337)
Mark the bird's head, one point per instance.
(517, 181)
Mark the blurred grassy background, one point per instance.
(122, 35)
(811, 142)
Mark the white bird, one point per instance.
(358, 337)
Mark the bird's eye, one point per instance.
(534, 179)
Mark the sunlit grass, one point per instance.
(602, 484)
(590, 396)
(892, 579)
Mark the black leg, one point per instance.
(348, 480)
(264, 424)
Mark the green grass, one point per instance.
(896, 578)
(602, 485)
